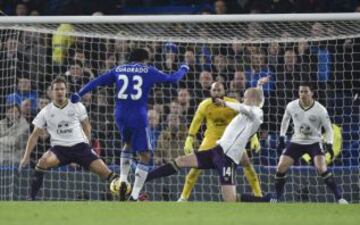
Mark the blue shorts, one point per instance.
(81, 154)
(295, 151)
(139, 138)
(216, 159)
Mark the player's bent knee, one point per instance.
(43, 163)
(48, 160)
(322, 169)
(282, 168)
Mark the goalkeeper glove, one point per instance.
(75, 98)
(329, 148)
(188, 148)
(255, 143)
(281, 144)
(185, 67)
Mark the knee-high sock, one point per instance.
(141, 173)
(190, 182)
(125, 164)
(253, 180)
(163, 171)
(36, 181)
(279, 184)
(330, 182)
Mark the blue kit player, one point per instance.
(133, 83)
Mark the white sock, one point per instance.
(141, 173)
(125, 164)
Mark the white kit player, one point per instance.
(308, 117)
(227, 154)
(70, 133)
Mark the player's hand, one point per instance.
(185, 67)
(75, 98)
(255, 143)
(219, 102)
(24, 161)
(263, 80)
(188, 148)
(281, 144)
(329, 148)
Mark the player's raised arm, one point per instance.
(160, 77)
(31, 143)
(260, 84)
(252, 97)
(105, 79)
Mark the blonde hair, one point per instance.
(254, 95)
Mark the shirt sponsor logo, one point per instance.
(63, 128)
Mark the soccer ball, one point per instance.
(115, 187)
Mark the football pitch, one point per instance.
(173, 213)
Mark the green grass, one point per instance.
(172, 213)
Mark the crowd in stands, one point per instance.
(118, 7)
(31, 60)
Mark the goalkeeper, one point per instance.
(217, 118)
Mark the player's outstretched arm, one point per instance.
(104, 80)
(238, 107)
(32, 141)
(160, 77)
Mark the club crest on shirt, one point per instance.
(312, 118)
(71, 113)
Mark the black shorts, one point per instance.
(295, 151)
(81, 154)
(216, 159)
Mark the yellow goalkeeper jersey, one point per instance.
(216, 117)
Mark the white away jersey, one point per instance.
(63, 124)
(307, 123)
(240, 129)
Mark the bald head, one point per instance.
(253, 96)
(217, 90)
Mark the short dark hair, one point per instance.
(14, 105)
(307, 84)
(59, 79)
(138, 55)
(190, 49)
